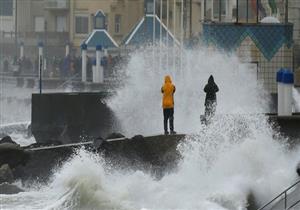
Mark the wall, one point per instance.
(71, 117)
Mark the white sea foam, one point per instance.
(238, 154)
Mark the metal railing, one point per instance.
(69, 80)
(285, 198)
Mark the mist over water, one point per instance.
(238, 154)
(15, 103)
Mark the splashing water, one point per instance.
(238, 154)
(215, 173)
(138, 103)
(296, 96)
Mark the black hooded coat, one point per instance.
(210, 89)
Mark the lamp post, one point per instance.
(67, 49)
(16, 27)
(99, 70)
(83, 61)
(21, 50)
(167, 34)
(174, 29)
(181, 35)
(40, 46)
(160, 35)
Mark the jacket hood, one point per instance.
(168, 79)
(211, 79)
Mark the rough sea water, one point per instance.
(296, 97)
(237, 155)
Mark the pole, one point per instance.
(40, 45)
(220, 11)
(153, 41)
(237, 11)
(204, 10)
(16, 27)
(45, 46)
(83, 62)
(154, 13)
(191, 10)
(99, 72)
(40, 72)
(286, 11)
(247, 11)
(167, 34)
(21, 50)
(181, 46)
(67, 49)
(160, 35)
(174, 28)
(257, 12)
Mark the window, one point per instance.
(6, 7)
(61, 24)
(117, 24)
(39, 24)
(149, 7)
(81, 24)
(99, 22)
(216, 9)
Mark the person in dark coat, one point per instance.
(5, 65)
(211, 88)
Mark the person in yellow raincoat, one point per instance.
(168, 90)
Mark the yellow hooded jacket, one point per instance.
(168, 90)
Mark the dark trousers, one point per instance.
(169, 115)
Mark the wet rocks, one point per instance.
(13, 155)
(97, 143)
(138, 138)
(7, 139)
(6, 188)
(6, 174)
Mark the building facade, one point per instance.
(34, 21)
(7, 25)
(121, 16)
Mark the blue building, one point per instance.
(99, 35)
(150, 30)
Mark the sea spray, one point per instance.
(138, 103)
(236, 155)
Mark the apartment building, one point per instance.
(120, 17)
(33, 21)
(7, 25)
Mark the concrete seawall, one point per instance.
(156, 154)
(71, 117)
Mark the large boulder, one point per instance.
(7, 139)
(6, 188)
(6, 174)
(13, 155)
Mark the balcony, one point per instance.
(32, 38)
(52, 38)
(57, 5)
